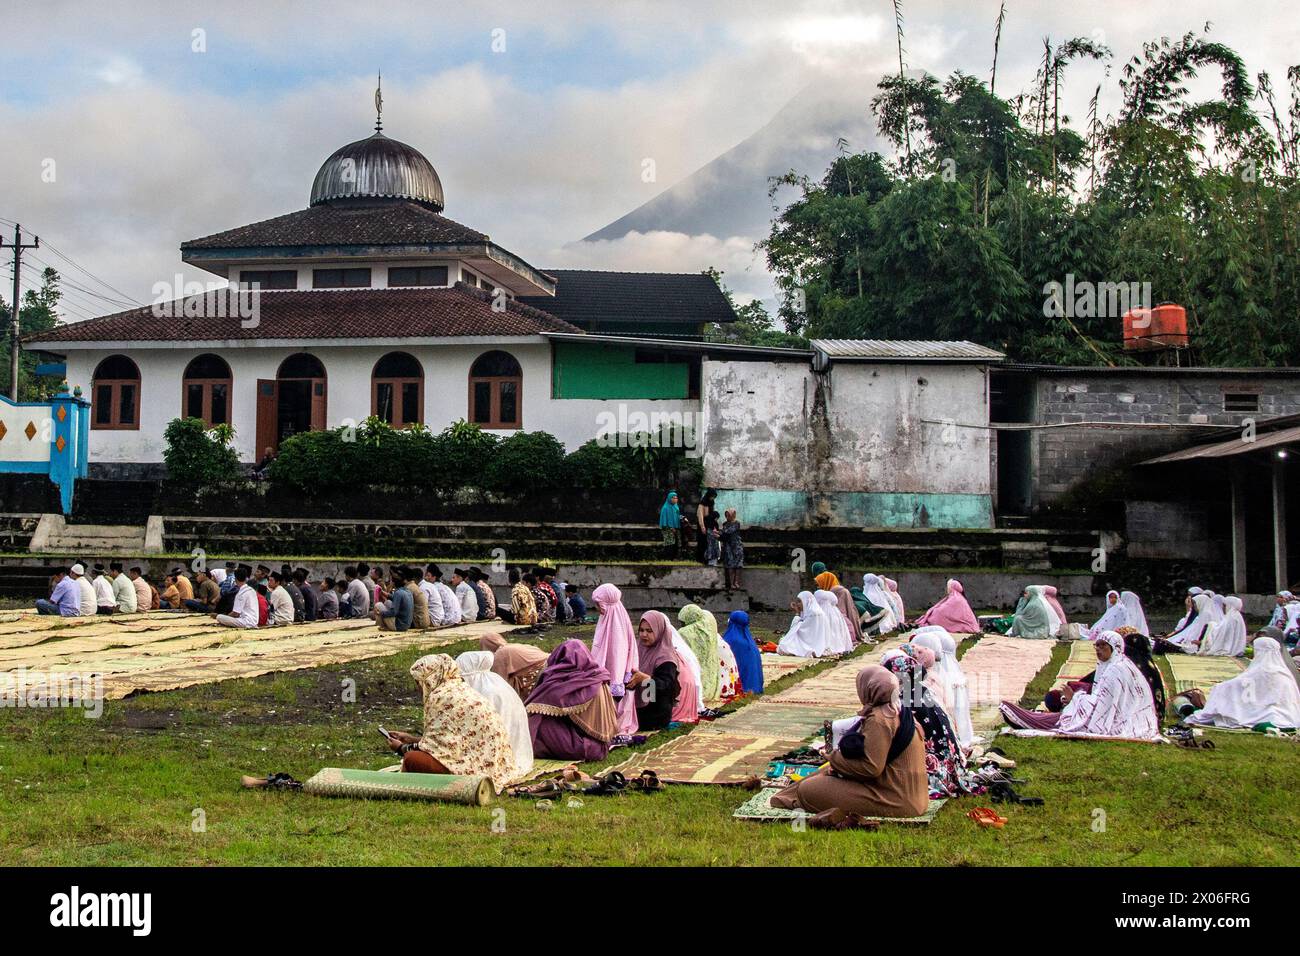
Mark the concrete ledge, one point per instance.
(153, 535)
(48, 528)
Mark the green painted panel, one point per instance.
(774, 508)
(608, 371)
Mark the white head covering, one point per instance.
(874, 590)
(1226, 638)
(1217, 607)
(1133, 612)
(841, 641)
(1189, 636)
(1265, 692)
(810, 633)
(1115, 616)
(476, 668)
(895, 599)
(947, 680)
(1120, 703)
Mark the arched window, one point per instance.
(397, 390)
(496, 391)
(116, 390)
(301, 365)
(205, 390)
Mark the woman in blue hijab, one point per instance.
(670, 522)
(748, 660)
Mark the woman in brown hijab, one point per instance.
(851, 618)
(519, 664)
(878, 768)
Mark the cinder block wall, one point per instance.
(1066, 456)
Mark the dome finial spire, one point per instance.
(379, 102)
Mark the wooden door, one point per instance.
(318, 404)
(268, 417)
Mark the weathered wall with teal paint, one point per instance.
(772, 508)
(582, 370)
(868, 445)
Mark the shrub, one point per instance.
(460, 457)
(602, 466)
(196, 456)
(526, 461)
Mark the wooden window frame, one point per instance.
(446, 277)
(494, 383)
(207, 384)
(343, 271)
(397, 383)
(115, 384)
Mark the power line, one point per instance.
(82, 269)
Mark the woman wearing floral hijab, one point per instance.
(615, 649)
(700, 632)
(945, 763)
(463, 734)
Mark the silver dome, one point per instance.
(377, 168)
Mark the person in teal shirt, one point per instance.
(670, 522)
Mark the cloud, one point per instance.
(537, 146)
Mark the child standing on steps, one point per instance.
(733, 549)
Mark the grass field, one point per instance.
(134, 786)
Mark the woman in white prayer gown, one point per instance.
(873, 588)
(1190, 601)
(476, 669)
(685, 653)
(1188, 638)
(1120, 703)
(947, 680)
(1113, 618)
(1227, 638)
(841, 641)
(1266, 692)
(810, 633)
(1136, 617)
(1292, 624)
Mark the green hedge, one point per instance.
(376, 455)
(197, 455)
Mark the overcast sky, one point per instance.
(538, 144)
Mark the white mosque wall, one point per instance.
(348, 369)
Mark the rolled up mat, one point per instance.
(376, 784)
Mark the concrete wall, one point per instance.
(348, 370)
(871, 444)
(1064, 456)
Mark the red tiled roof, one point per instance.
(390, 223)
(318, 314)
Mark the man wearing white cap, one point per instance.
(85, 590)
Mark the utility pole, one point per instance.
(15, 328)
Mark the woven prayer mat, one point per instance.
(776, 666)
(376, 784)
(770, 719)
(1193, 670)
(999, 668)
(708, 758)
(228, 653)
(759, 807)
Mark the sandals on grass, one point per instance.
(986, 817)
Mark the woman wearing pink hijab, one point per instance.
(952, 613)
(615, 649)
(1050, 596)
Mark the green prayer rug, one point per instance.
(378, 784)
(759, 807)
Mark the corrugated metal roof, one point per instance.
(910, 349)
(1231, 448)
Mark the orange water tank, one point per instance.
(1163, 327)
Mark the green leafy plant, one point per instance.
(526, 461)
(196, 455)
